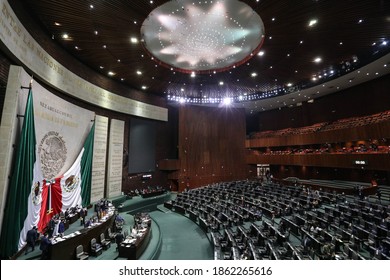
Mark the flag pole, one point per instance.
(29, 85)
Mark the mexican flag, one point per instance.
(32, 199)
(72, 189)
(25, 171)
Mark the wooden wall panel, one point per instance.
(211, 145)
(374, 161)
(374, 131)
(329, 173)
(364, 99)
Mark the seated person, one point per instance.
(88, 223)
(134, 232)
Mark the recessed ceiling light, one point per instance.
(91, 6)
(193, 74)
(139, 72)
(261, 53)
(133, 40)
(101, 67)
(111, 73)
(317, 59)
(289, 84)
(360, 20)
(57, 24)
(144, 87)
(312, 22)
(221, 83)
(96, 32)
(65, 36)
(254, 74)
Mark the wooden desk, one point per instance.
(66, 249)
(134, 251)
(154, 193)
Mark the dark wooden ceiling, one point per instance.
(100, 38)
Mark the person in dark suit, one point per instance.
(118, 239)
(51, 226)
(31, 238)
(45, 244)
(61, 228)
(306, 244)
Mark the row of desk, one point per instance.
(65, 248)
(135, 244)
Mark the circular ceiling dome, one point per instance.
(202, 36)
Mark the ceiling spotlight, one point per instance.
(317, 59)
(193, 75)
(312, 22)
(110, 73)
(261, 53)
(254, 74)
(221, 83)
(65, 36)
(139, 72)
(143, 87)
(133, 40)
(289, 84)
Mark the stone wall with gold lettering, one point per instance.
(115, 158)
(16, 40)
(9, 128)
(99, 158)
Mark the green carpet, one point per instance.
(182, 239)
